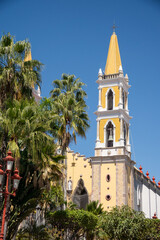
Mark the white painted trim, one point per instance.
(117, 113)
(114, 82)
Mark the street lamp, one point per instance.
(16, 179)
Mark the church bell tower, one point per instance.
(112, 167)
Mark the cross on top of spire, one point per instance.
(114, 27)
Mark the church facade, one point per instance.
(111, 176)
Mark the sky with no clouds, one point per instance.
(71, 36)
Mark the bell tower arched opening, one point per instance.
(109, 134)
(110, 100)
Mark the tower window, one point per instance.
(110, 100)
(109, 135)
(108, 197)
(108, 178)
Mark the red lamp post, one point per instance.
(16, 179)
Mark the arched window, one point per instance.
(109, 135)
(110, 100)
(80, 196)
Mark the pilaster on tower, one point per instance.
(112, 113)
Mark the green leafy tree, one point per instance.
(17, 76)
(152, 229)
(25, 128)
(124, 223)
(69, 109)
(54, 198)
(33, 232)
(72, 224)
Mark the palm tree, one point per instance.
(17, 76)
(69, 109)
(25, 128)
(95, 207)
(68, 84)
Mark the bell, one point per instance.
(110, 138)
(110, 135)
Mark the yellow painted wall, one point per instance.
(117, 129)
(103, 96)
(75, 168)
(108, 168)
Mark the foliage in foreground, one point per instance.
(25, 129)
(73, 223)
(34, 232)
(123, 223)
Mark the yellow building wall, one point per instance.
(117, 128)
(78, 165)
(103, 96)
(108, 188)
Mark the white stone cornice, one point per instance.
(110, 159)
(117, 113)
(114, 82)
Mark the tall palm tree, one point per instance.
(16, 75)
(68, 84)
(25, 128)
(69, 109)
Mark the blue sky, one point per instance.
(71, 36)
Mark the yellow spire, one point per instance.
(113, 60)
(28, 56)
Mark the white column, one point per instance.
(120, 98)
(121, 140)
(127, 103)
(99, 101)
(128, 143)
(97, 129)
(97, 139)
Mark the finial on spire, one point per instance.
(114, 27)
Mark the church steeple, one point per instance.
(112, 167)
(113, 60)
(36, 93)
(112, 113)
(28, 56)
